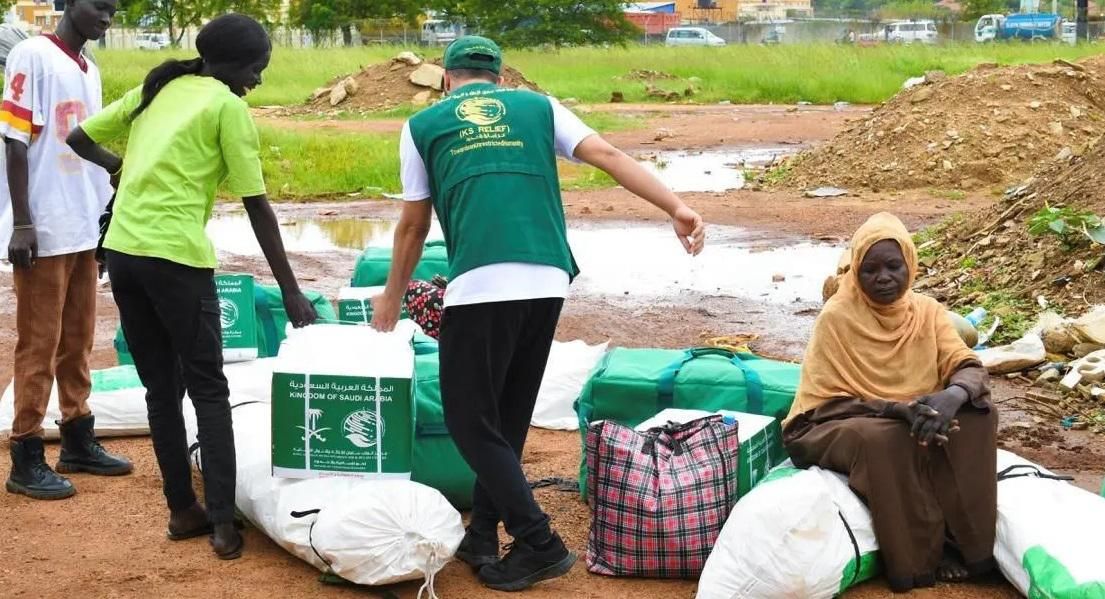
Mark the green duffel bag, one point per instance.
(374, 264)
(630, 386)
(271, 321)
(437, 462)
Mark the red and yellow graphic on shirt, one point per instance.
(17, 117)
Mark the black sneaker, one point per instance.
(478, 549)
(525, 566)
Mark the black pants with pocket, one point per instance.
(170, 317)
(493, 357)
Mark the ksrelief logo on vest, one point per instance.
(481, 111)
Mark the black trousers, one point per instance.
(170, 317)
(493, 357)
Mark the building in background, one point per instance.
(774, 10)
(653, 18)
(705, 12)
(36, 15)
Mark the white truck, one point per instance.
(437, 32)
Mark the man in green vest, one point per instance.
(484, 159)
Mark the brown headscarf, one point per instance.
(864, 350)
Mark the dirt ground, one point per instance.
(109, 541)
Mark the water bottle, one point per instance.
(976, 316)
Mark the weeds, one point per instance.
(1068, 224)
(954, 195)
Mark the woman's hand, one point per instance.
(936, 415)
(301, 312)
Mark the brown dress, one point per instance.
(920, 497)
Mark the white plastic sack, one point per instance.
(368, 532)
(118, 401)
(787, 539)
(121, 410)
(570, 365)
(1050, 536)
(1022, 354)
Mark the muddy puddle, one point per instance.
(232, 234)
(710, 171)
(635, 260)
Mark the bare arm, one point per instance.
(23, 248)
(410, 237)
(267, 230)
(598, 152)
(93, 152)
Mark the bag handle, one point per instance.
(665, 387)
(1029, 470)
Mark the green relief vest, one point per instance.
(491, 159)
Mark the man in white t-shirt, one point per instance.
(484, 159)
(49, 224)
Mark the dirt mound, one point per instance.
(988, 127)
(1020, 251)
(405, 79)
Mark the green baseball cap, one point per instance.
(474, 52)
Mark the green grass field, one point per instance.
(304, 165)
(821, 74)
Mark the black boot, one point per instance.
(479, 548)
(31, 476)
(81, 452)
(526, 565)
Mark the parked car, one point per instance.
(151, 41)
(437, 31)
(908, 32)
(692, 36)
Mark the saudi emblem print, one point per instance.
(228, 313)
(481, 111)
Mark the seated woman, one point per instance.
(892, 397)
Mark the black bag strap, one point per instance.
(311, 538)
(1028, 470)
(855, 547)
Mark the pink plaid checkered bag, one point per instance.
(659, 499)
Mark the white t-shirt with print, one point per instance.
(507, 281)
(47, 93)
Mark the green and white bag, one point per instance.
(355, 304)
(373, 265)
(269, 316)
(630, 386)
(343, 404)
(118, 400)
(800, 533)
(436, 461)
(237, 317)
(1051, 534)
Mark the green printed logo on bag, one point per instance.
(341, 424)
(237, 317)
(355, 304)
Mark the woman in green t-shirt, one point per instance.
(189, 131)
